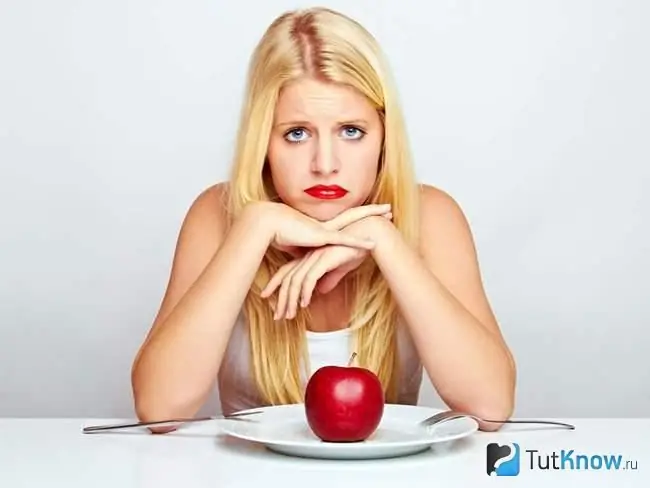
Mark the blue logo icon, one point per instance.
(502, 459)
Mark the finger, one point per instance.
(296, 282)
(281, 306)
(277, 278)
(325, 263)
(354, 214)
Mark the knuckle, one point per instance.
(283, 287)
(310, 281)
(282, 272)
(294, 289)
(294, 281)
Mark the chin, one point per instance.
(323, 214)
(325, 210)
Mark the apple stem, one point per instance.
(354, 355)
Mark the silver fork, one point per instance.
(448, 415)
(162, 423)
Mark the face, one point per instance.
(324, 148)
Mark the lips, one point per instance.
(326, 192)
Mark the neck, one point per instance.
(331, 311)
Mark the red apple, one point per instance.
(344, 403)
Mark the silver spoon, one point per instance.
(447, 415)
(104, 428)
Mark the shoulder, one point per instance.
(212, 199)
(440, 212)
(446, 239)
(210, 206)
(206, 222)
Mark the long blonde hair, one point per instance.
(329, 46)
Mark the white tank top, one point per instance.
(237, 389)
(328, 348)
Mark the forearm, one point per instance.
(178, 366)
(469, 366)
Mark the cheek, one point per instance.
(366, 161)
(284, 166)
(282, 177)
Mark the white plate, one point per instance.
(284, 429)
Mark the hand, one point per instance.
(322, 268)
(298, 278)
(332, 278)
(292, 229)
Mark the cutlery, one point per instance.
(448, 415)
(104, 428)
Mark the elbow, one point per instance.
(146, 412)
(494, 405)
(492, 416)
(154, 406)
(156, 399)
(150, 407)
(498, 407)
(489, 411)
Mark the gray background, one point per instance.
(533, 115)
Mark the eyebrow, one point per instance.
(298, 123)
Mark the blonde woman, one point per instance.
(322, 244)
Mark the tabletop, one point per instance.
(54, 453)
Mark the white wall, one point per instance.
(534, 115)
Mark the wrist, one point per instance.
(374, 228)
(384, 234)
(259, 215)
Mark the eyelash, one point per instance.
(361, 132)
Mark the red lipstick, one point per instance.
(326, 192)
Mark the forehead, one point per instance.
(313, 99)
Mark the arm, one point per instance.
(441, 298)
(178, 363)
(212, 273)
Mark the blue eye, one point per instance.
(353, 133)
(296, 135)
(300, 134)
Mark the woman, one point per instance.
(320, 245)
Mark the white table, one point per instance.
(54, 453)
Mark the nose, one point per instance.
(325, 160)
